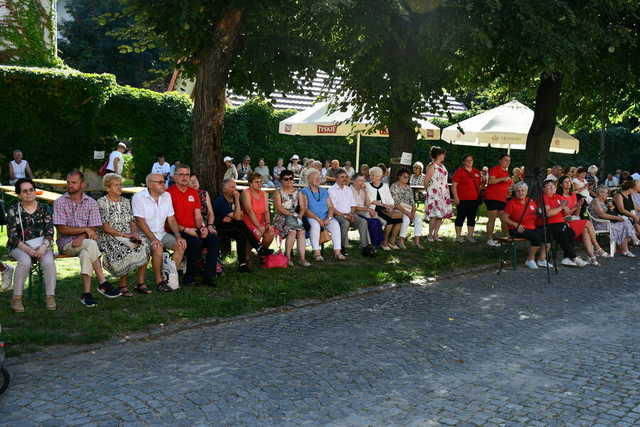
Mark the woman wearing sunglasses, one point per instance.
(287, 221)
(30, 232)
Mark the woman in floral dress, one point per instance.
(119, 241)
(438, 199)
(287, 222)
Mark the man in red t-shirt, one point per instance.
(521, 216)
(495, 197)
(186, 205)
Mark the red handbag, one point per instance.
(278, 260)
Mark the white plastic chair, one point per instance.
(612, 243)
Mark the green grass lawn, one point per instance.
(237, 293)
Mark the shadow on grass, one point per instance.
(236, 294)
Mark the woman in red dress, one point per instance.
(583, 228)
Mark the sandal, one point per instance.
(125, 292)
(340, 257)
(143, 289)
(305, 263)
(318, 258)
(602, 253)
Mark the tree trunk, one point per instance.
(542, 129)
(603, 147)
(403, 140)
(209, 100)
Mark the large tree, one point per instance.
(552, 45)
(89, 44)
(251, 46)
(391, 58)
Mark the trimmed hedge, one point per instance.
(48, 114)
(59, 117)
(154, 122)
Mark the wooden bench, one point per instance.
(36, 269)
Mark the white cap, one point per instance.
(122, 144)
(227, 159)
(295, 157)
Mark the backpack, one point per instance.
(170, 272)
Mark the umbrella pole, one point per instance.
(509, 150)
(358, 152)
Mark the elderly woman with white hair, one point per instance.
(521, 216)
(316, 206)
(621, 231)
(118, 239)
(382, 201)
(417, 177)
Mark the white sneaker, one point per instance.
(544, 264)
(385, 248)
(627, 254)
(531, 264)
(459, 239)
(493, 243)
(580, 262)
(7, 278)
(568, 262)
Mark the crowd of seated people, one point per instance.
(175, 222)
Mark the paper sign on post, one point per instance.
(98, 155)
(405, 159)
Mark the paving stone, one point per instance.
(476, 350)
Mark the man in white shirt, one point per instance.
(611, 181)
(161, 167)
(349, 169)
(116, 160)
(344, 206)
(555, 174)
(18, 168)
(152, 208)
(231, 171)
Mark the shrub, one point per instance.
(154, 122)
(49, 114)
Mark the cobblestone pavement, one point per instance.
(481, 350)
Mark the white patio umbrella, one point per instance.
(319, 121)
(507, 127)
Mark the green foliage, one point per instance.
(58, 118)
(90, 45)
(46, 112)
(28, 34)
(154, 122)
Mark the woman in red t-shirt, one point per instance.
(556, 209)
(466, 195)
(495, 197)
(521, 216)
(583, 228)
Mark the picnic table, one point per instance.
(132, 190)
(50, 182)
(45, 196)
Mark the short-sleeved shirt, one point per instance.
(317, 202)
(526, 215)
(333, 173)
(571, 199)
(468, 183)
(222, 207)
(498, 191)
(553, 202)
(154, 213)
(342, 198)
(84, 213)
(185, 204)
(112, 157)
(162, 169)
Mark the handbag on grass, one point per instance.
(278, 260)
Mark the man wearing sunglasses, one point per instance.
(152, 209)
(193, 229)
